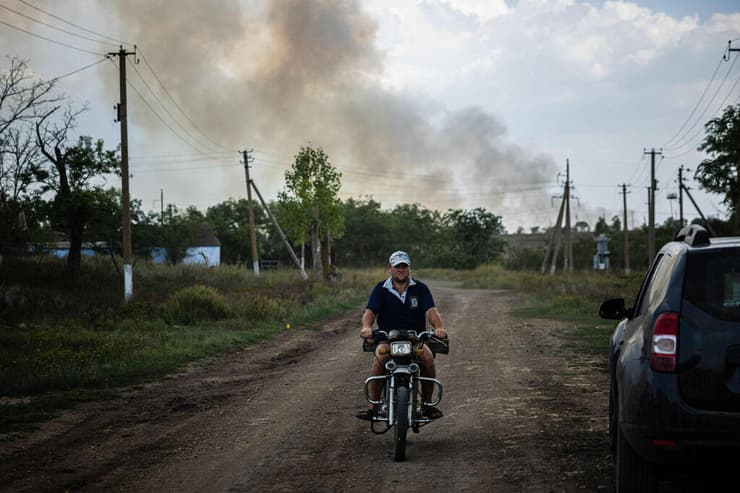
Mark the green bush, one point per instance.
(259, 307)
(194, 304)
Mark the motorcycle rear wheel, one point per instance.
(402, 423)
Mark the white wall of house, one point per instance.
(210, 256)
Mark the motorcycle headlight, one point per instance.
(401, 348)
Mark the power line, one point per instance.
(51, 40)
(190, 168)
(697, 103)
(68, 74)
(54, 27)
(694, 142)
(144, 100)
(195, 125)
(187, 132)
(176, 157)
(679, 143)
(117, 41)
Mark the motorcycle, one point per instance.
(401, 404)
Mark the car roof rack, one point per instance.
(694, 235)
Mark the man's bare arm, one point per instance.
(368, 319)
(436, 322)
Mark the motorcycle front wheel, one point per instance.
(402, 423)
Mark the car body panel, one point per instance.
(693, 414)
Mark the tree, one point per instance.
(70, 175)
(720, 173)
(601, 226)
(475, 237)
(313, 208)
(582, 227)
(21, 97)
(21, 100)
(366, 230)
(419, 232)
(230, 221)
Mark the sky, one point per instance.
(452, 104)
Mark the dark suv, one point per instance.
(674, 361)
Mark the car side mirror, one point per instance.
(614, 309)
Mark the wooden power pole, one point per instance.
(122, 114)
(625, 229)
(255, 258)
(651, 210)
(568, 232)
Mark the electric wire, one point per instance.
(697, 138)
(68, 74)
(54, 27)
(24, 2)
(681, 141)
(192, 122)
(148, 87)
(66, 45)
(696, 106)
(146, 102)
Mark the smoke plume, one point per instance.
(278, 75)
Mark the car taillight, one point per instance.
(664, 351)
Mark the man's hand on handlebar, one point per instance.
(440, 333)
(366, 332)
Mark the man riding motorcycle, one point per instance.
(400, 302)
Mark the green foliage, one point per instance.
(720, 172)
(230, 221)
(71, 174)
(458, 239)
(79, 337)
(474, 238)
(261, 307)
(311, 188)
(195, 304)
(311, 206)
(364, 243)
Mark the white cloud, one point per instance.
(486, 10)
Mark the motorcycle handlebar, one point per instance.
(423, 336)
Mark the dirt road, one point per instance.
(520, 415)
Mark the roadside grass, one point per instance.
(570, 297)
(63, 341)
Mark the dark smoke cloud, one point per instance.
(279, 75)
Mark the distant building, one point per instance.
(206, 249)
(601, 259)
(61, 248)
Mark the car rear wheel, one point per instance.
(634, 473)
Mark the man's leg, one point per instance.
(427, 388)
(427, 370)
(378, 368)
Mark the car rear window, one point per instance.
(712, 282)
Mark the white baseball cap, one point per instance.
(399, 257)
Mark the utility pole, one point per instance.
(554, 239)
(282, 235)
(128, 270)
(625, 229)
(568, 236)
(651, 211)
(246, 154)
(680, 193)
(709, 226)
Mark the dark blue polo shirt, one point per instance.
(396, 311)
